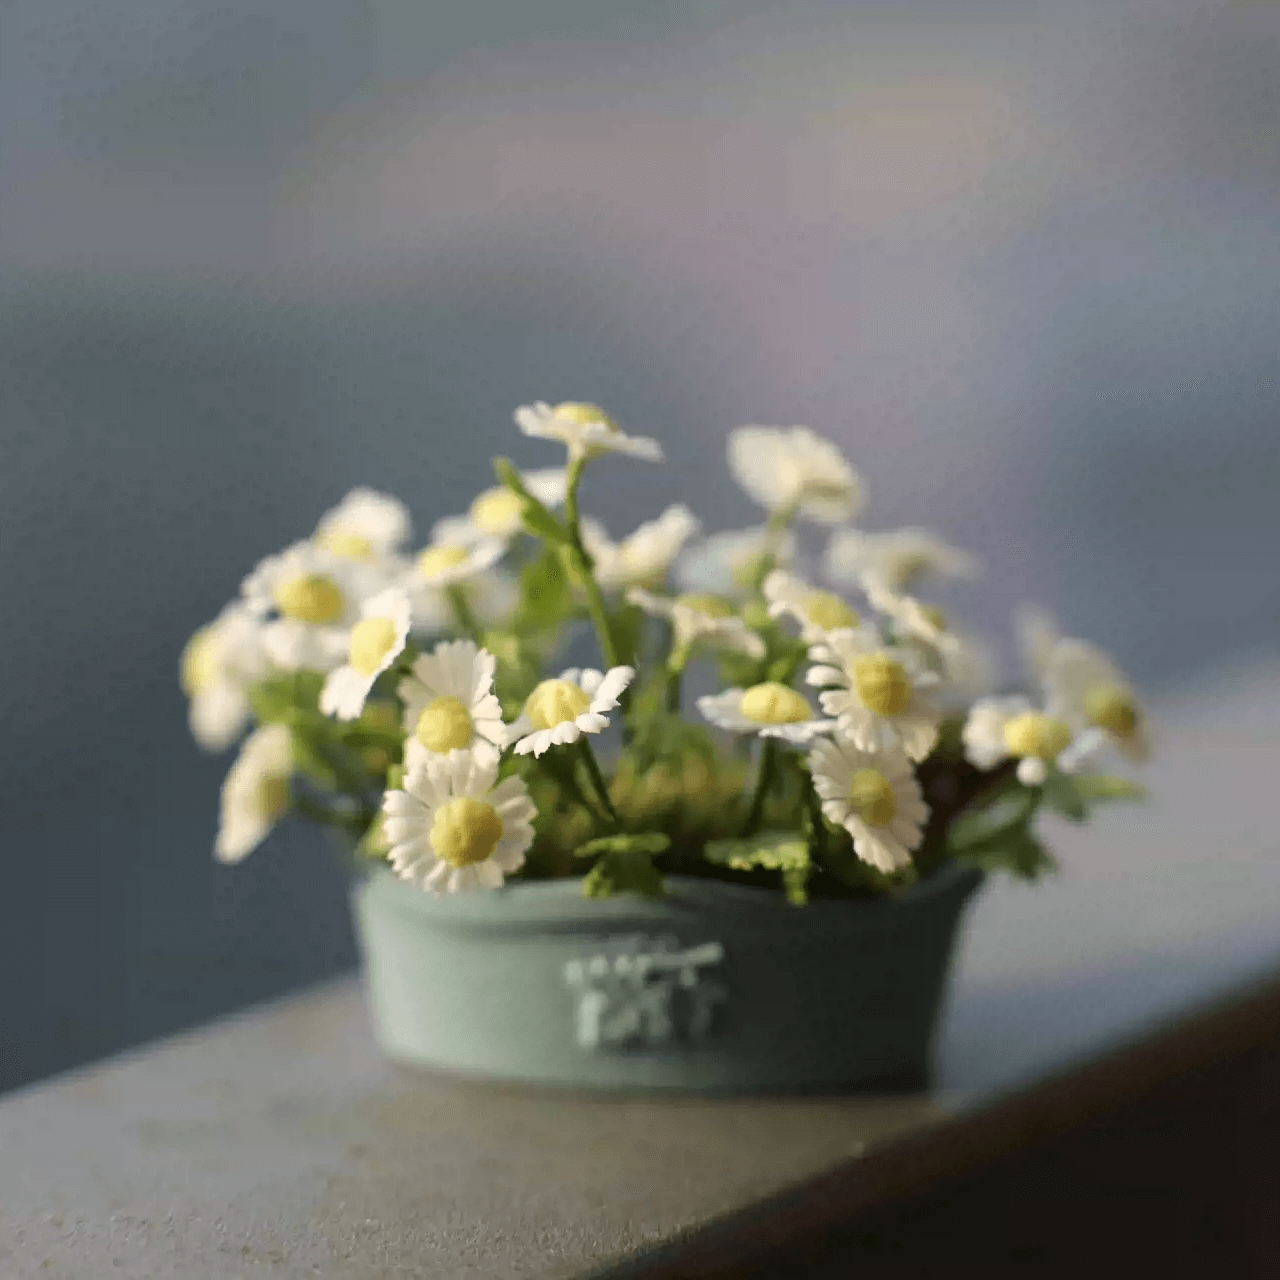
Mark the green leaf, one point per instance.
(1009, 810)
(772, 850)
(649, 843)
(795, 884)
(1062, 796)
(1099, 787)
(1019, 853)
(623, 873)
(545, 598)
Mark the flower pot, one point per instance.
(715, 988)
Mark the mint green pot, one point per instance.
(715, 988)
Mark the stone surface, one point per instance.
(279, 1144)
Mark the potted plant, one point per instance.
(581, 875)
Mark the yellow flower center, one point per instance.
(344, 542)
(1113, 709)
(774, 703)
(882, 684)
(372, 639)
(445, 725)
(825, 609)
(199, 668)
(935, 616)
(872, 796)
(583, 413)
(313, 597)
(555, 701)
(496, 512)
(1035, 734)
(271, 796)
(465, 831)
(435, 560)
(712, 606)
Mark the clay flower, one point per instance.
(365, 525)
(818, 612)
(700, 619)
(874, 796)
(898, 558)
(643, 557)
(792, 470)
(912, 619)
(449, 704)
(560, 711)
(1086, 688)
(729, 563)
(584, 429)
(769, 710)
(999, 729)
(455, 827)
(496, 513)
(876, 694)
(219, 665)
(376, 641)
(255, 793)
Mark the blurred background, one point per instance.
(1022, 263)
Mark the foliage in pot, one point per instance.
(855, 764)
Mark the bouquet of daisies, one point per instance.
(417, 703)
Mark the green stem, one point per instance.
(328, 815)
(768, 768)
(817, 822)
(585, 567)
(675, 677)
(468, 623)
(597, 780)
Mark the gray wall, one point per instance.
(1023, 266)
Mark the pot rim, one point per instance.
(556, 905)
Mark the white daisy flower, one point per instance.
(700, 619)
(449, 704)
(255, 794)
(643, 558)
(313, 597)
(1003, 728)
(877, 696)
(220, 663)
(560, 711)
(793, 469)
(375, 643)
(770, 710)
(585, 429)
(728, 563)
(818, 612)
(899, 557)
(912, 619)
(496, 513)
(443, 565)
(455, 827)
(874, 796)
(1086, 688)
(365, 525)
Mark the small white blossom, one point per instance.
(793, 469)
(584, 429)
(1003, 728)
(376, 641)
(700, 619)
(220, 664)
(1086, 688)
(874, 796)
(642, 558)
(366, 525)
(912, 619)
(449, 704)
(560, 711)
(768, 710)
(255, 794)
(877, 696)
(496, 513)
(728, 563)
(441, 566)
(898, 558)
(455, 827)
(311, 597)
(818, 612)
